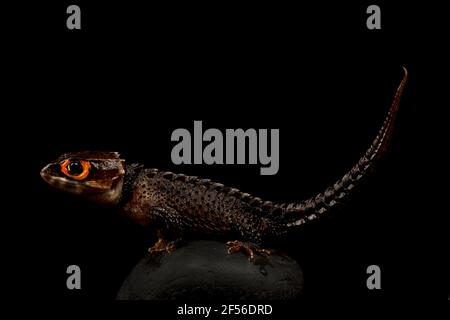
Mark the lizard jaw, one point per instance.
(62, 183)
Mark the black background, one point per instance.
(135, 73)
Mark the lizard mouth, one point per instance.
(62, 183)
(49, 175)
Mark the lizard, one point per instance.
(176, 204)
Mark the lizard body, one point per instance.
(176, 204)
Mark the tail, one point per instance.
(296, 214)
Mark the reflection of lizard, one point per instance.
(176, 204)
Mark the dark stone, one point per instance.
(203, 270)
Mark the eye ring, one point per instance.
(86, 166)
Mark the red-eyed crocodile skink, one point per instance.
(176, 204)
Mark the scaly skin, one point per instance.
(178, 205)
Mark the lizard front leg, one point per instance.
(161, 220)
(163, 245)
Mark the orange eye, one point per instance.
(76, 169)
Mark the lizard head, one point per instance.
(97, 176)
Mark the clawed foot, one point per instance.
(162, 246)
(248, 249)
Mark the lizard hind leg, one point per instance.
(249, 249)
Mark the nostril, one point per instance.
(45, 172)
